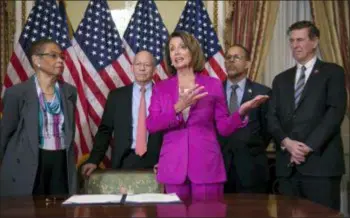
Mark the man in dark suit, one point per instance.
(121, 117)
(245, 150)
(305, 114)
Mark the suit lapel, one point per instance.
(248, 91)
(224, 84)
(174, 86)
(311, 82)
(289, 88)
(68, 110)
(128, 112)
(32, 115)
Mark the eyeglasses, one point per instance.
(233, 58)
(54, 55)
(145, 65)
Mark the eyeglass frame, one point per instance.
(234, 58)
(53, 55)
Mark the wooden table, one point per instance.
(233, 205)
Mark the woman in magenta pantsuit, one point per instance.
(188, 108)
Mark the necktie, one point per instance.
(233, 99)
(300, 86)
(141, 140)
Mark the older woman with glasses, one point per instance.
(188, 108)
(37, 132)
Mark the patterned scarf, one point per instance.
(52, 109)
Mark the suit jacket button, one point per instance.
(18, 161)
(13, 179)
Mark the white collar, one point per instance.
(308, 64)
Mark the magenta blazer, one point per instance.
(190, 149)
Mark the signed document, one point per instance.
(152, 198)
(94, 199)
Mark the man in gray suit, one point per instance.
(37, 132)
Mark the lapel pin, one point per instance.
(250, 91)
(316, 71)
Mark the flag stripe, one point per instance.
(81, 112)
(217, 68)
(156, 78)
(10, 78)
(95, 119)
(121, 73)
(129, 53)
(126, 66)
(21, 73)
(161, 71)
(94, 87)
(206, 72)
(107, 79)
(83, 145)
(114, 75)
(22, 57)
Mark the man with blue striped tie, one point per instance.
(306, 110)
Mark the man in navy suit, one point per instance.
(305, 113)
(245, 150)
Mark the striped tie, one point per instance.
(300, 86)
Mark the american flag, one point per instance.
(195, 20)
(146, 31)
(45, 21)
(63, 12)
(104, 64)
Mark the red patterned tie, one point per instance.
(141, 137)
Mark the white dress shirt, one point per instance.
(239, 90)
(309, 65)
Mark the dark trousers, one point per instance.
(234, 184)
(322, 190)
(133, 161)
(51, 177)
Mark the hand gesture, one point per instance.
(298, 160)
(123, 190)
(87, 169)
(155, 169)
(190, 97)
(254, 103)
(298, 150)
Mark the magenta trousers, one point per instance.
(189, 190)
